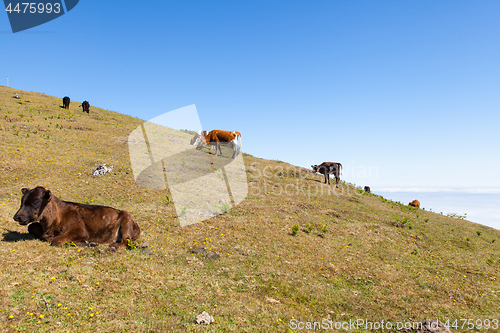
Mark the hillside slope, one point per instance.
(354, 256)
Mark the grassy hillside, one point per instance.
(354, 255)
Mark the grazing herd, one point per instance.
(67, 101)
(60, 222)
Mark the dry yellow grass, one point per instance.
(348, 259)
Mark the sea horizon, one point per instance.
(480, 206)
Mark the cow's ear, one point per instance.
(47, 195)
(25, 190)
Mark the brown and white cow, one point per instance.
(215, 138)
(327, 168)
(60, 222)
(198, 138)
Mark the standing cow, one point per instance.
(215, 138)
(327, 168)
(85, 106)
(66, 101)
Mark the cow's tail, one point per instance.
(340, 167)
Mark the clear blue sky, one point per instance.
(411, 88)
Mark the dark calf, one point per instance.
(327, 168)
(367, 189)
(63, 222)
(66, 101)
(85, 106)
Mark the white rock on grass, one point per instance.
(204, 318)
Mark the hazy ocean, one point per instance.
(482, 208)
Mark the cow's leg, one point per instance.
(128, 230)
(76, 235)
(234, 145)
(217, 148)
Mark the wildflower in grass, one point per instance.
(41, 316)
(53, 278)
(11, 316)
(59, 304)
(91, 315)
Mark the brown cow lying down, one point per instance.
(63, 222)
(415, 203)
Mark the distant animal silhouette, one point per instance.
(85, 106)
(66, 101)
(415, 203)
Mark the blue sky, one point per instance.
(408, 88)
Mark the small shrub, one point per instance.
(478, 232)
(131, 245)
(323, 228)
(309, 227)
(414, 252)
(426, 220)
(489, 262)
(295, 228)
(224, 207)
(467, 239)
(69, 262)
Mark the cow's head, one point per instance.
(195, 138)
(33, 203)
(315, 168)
(199, 139)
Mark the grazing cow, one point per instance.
(415, 203)
(60, 222)
(327, 168)
(66, 101)
(215, 138)
(16, 96)
(367, 189)
(85, 106)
